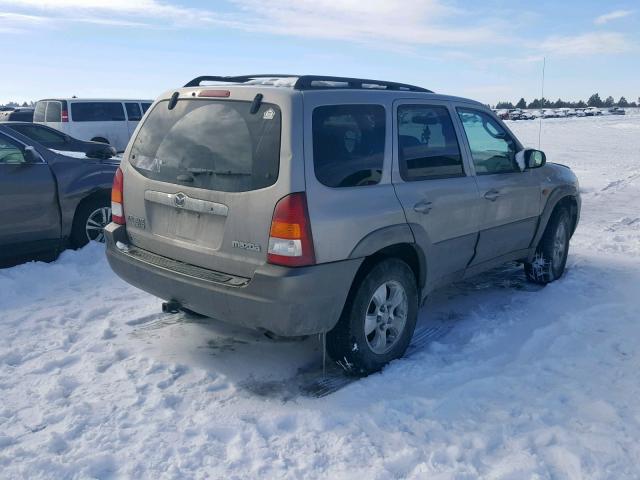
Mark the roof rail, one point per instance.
(196, 82)
(315, 82)
(319, 82)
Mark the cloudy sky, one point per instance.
(489, 50)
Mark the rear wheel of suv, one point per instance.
(551, 254)
(378, 319)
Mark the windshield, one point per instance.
(210, 144)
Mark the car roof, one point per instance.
(95, 100)
(314, 84)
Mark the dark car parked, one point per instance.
(49, 201)
(19, 114)
(52, 138)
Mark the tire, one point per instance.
(551, 255)
(90, 218)
(387, 296)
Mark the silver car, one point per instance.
(307, 204)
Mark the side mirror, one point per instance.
(101, 152)
(31, 155)
(534, 158)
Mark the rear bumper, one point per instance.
(285, 301)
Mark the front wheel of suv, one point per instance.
(551, 255)
(378, 319)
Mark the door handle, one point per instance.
(423, 207)
(492, 195)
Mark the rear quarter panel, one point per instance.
(342, 217)
(77, 179)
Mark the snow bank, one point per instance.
(528, 383)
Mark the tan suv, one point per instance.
(306, 204)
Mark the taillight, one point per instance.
(117, 199)
(290, 240)
(64, 116)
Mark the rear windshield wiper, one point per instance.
(208, 171)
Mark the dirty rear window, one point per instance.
(211, 144)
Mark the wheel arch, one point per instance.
(93, 196)
(395, 241)
(560, 198)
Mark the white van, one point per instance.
(99, 120)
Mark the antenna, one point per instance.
(544, 63)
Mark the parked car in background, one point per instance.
(516, 114)
(616, 111)
(527, 115)
(560, 113)
(580, 112)
(568, 112)
(592, 111)
(18, 114)
(549, 113)
(61, 142)
(297, 206)
(503, 114)
(48, 200)
(98, 120)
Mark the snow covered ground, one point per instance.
(518, 382)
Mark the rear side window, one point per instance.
(38, 114)
(348, 144)
(41, 134)
(133, 111)
(145, 106)
(211, 144)
(427, 143)
(54, 111)
(97, 112)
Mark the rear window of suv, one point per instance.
(348, 144)
(210, 144)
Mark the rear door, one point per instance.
(510, 197)
(53, 114)
(203, 178)
(134, 115)
(435, 186)
(28, 200)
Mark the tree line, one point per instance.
(16, 104)
(594, 101)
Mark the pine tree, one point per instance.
(609, 101)
(623, 102)
(503, 105)
(595, 101)
(522, 103)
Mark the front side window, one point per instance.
(54, 111)
(10, 152)
(492, 148)
(38, 114)
(145, 106)
(97, 112)
(133, 112)
(40, 134)
(348, 144)
(211, 144)
(427, 143)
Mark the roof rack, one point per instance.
(314, 82)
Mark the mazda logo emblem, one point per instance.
(179, 199)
